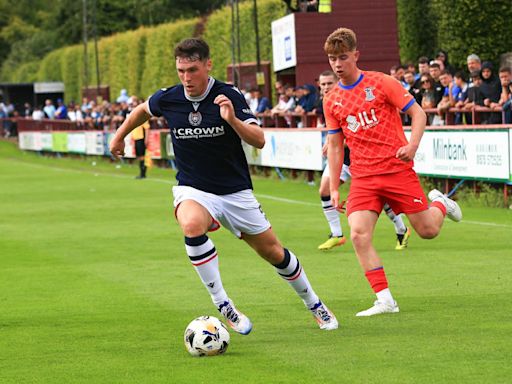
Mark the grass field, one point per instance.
(95, 287)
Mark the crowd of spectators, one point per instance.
(442, 89)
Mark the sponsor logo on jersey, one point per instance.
(353, 124)
(338, 103)
(369, 93)
(247, 111)
(363, 119)
(195, 118)
(198, 132)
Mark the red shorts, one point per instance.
(401, 190)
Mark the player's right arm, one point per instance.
(335, 153)
(137, 117)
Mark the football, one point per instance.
(206, 336)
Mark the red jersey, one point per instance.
(367, 112)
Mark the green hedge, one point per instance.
(142, 61)
(474, 26)
(159, 64)
(416, 29)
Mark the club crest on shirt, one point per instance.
(195, 118)
(369, 93)
(352, 122)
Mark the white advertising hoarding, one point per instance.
(294, 149)
(283, 43)
(76, 142)
(26, 140)
(94, 143)
(464, 154)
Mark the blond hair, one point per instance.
(340, 41)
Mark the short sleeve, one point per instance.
(154, 103)
(330, 120)
(242, 110)
(396, 94)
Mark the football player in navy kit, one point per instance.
(208, 120)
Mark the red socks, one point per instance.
(377, 279)
(439, 205)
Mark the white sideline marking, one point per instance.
(485, 223)
(92, 172)
(269, 197)
(286, 200)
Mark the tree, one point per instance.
(474, 26)
(416, 29)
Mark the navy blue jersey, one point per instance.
(209, 153)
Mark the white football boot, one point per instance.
(324, 317)
(380, 307)
(452, 208)
(236, 319)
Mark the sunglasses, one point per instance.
(425, 81)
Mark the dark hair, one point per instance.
(445, 72)
(435, 65)
(461, 75)
(505, 69)
(192, 49)
(423, 60)
(475, 74)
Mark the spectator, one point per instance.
(412, 68)
(474, 64)
(307, 98)
(505, 75)
(259, 103)
(49, 109)
(443, 57)
(491, 87)
(85, 104)
(475, 97)
(423, 68)
(75, 114)
(38, 113)
(123, 96)
(27, 110)
(448, 99)
(462, 95)
(428, 96)
(435, 71)
(409, 80)
(507, 107)
(62, 112)
(491, 92)
(397, 71)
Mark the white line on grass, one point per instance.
(269, 197)
(92, 172)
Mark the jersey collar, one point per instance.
(348, 87)
(211, 81)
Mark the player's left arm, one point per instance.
(251, 133)
(405, 102)
(418, 122)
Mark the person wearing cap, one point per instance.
(62, 112)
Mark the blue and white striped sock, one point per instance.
(291, 271)
(203, 256)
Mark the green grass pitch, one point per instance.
(95, 287)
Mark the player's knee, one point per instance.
(427, 231)
(359, 237)
(192, 228)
